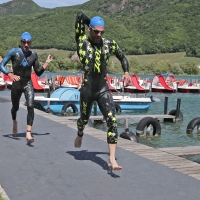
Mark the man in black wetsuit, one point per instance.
(94, 53)
(23, 59)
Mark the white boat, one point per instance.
(39, 84)
(137, 85)
(160, 84)
(185, 86)
(132, 102)
(68, 81)
(2, 82)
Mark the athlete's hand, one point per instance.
(127, 79)
(49, 58)
(14, 77)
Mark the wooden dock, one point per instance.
(170, 157)
(159, 117)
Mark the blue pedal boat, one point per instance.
(64, 100)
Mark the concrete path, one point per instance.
(52, 169)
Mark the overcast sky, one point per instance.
(54, 3)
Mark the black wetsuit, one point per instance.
(22, 63)
(94, 57)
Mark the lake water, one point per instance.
(172, 134)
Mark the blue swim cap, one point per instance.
(97, 21)
(26, 36)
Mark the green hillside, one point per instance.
(139, 27)
(164, 25)
(20, 7)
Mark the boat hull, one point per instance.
(2, 86)
(135, 90)
(189, 90)
(134, 106)
(162, 90)
(57, 106)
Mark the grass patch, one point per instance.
(56, 52)
(173, 58)
(1, 198)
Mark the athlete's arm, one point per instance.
(39, 70)
(124, 62)
(36, 66)
(81, 21)
(119, 54)
(4, 63)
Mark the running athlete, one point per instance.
(94, 53)
(23, 59)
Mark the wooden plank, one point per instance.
(100, 117)
(175, 165)
(196, 176)
(188, 165)
(182, 151)
(197, 171)
(168, 159)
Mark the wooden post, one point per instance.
(48, 93)
(95, 108)
(53, 82)
(125, 123)
(165, 105)
(178, 108)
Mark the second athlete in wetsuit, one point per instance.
(23, 59)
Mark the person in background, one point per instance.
(94, 52)
(23, 59)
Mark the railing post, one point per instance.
(165, 105)
(48, 93)
(95, 108)
(53, 82)
(178, 108)
(128, 134)
(126, 124)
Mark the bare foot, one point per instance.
(29, 138)
(15, 130)
(113, 165)
(78, 142)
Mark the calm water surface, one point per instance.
(172, 134)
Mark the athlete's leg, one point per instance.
(16, 93)
(29, 95)
(107, 107)
(15, 127)
(85, 110)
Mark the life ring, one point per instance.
(191, 125)
(118, 108)
(66, 106)
(173, 112)
(145, 123)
